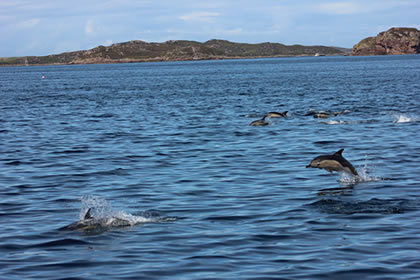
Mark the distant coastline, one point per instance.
(396, 40)
(174, 50)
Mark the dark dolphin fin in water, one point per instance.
(84, 223)
(88, 215)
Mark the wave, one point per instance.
(372, 206)
(252, 116)
(60, 243)
(313, 112)
(334, 122)
(338, 122)
(398, 118)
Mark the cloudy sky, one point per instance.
(41, 27)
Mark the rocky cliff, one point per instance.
(140, 51)
(397, 40)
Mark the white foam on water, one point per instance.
(364, 176)
(333, 122)
(338, 122)
(102, 210)
(133, 219)
(401, 118)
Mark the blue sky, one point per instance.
(41, 27)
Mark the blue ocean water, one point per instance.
(167, 148)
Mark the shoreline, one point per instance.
(180, 50)
(121, 61)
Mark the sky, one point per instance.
(42, 27)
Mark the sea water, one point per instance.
(168, 147)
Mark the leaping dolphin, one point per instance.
(333, 162)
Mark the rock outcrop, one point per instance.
(397, 40)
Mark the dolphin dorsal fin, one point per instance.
(339, 152)
(87, 215)
(285, 113)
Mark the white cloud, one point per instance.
(66, 46)
(10, 4)
(108, 42)
(235, 31)
(340, 8)
(199, 16)
(30, 23)
(89, 27)
(6, 19)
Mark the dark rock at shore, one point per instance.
(397, 40)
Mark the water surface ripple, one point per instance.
(167, 147)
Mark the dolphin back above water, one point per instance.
(94, 225)
(277, 114)
(89, 223)
(259, 122)
(333, 162)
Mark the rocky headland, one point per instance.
(140, 51)
(397, 40)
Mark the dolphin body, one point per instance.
(259, 122)
(324, 115)
(277, 114)
(333, 162)
(90, 223)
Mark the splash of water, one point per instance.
(400, 118)
(334, 122)
(339, 122)
(102, 210)
(364, 176)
